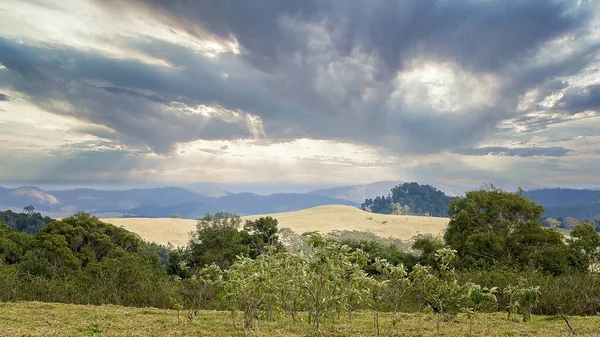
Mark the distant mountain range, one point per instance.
(196, 200)
(358, 193)
(561, 203)
(157, 202)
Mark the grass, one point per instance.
(322, 218)
(53, 319)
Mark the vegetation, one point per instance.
(410, 198)
(494, 227)
(28, 222)
(495, 256)
(53, 319)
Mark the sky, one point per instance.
(308, 92)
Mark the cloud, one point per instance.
(578, 100)
(409, 78)
(4, 98)
(554, 151)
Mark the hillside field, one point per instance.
(53, 319)
(323, 218)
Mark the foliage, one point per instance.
(444, 294)
(494, 227)
(217, 240)
(29, 210)
(334, 278)
(522, 299)
(378, 251)
(586, 241)
(262, 233)
(80, 259)
(474, 298)
(426, 246)
(29, 223)
(410, 198)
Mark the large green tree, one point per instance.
(217, 240)
(261, 234)
(494, 227)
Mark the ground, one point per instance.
(322, 218)
(51, 319)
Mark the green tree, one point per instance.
(490, 227)
(29, 209)
(28, 223)
(426, 246)
(551, 222)
(379, 251)
(571, 222)
(585, 240)
(262, 233)
(91, 239)
(13, 245)
(217, 240)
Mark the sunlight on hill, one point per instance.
(322, 218)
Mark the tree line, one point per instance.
(28, 222)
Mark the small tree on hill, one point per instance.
(551, 222)
(29, 209)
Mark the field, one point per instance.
(322, 218)
(52, 319)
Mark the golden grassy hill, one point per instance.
(323, 218)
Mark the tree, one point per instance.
(29, 209)
(217, 240)
(585, 240)
(262, 233)
(426, 246)
(490, 226)
(571, 222)
(551, 222)
(20, 222)
(398, 209)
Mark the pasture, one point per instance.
(53, 319)
(323, 218)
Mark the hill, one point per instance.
(358, 193)
(588, 211)
(410, 198)
(553, 197)
(560, 203)
(157, 202)
(322, 218)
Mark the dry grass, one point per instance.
(52, 319)
(322, 218)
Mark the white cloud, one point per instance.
(444, 87)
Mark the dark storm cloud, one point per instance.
(299, 70)
(4, 98)
(581, 99)
(481, 35)
(554, 151)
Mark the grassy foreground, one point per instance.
(52, 319)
